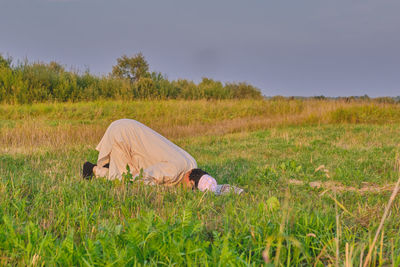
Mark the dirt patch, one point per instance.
(337, 186)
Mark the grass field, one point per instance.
(50, 216)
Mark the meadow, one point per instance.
(50, 216)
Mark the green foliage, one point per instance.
(5, 62)
(273, 204)
(187, 89)
(131, 68)
(130, 79)
(211, 89)
(243, 90)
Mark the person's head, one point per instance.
(87, 170)
(192, 178)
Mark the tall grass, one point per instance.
(50, 216)
(66, 124)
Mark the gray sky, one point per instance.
(307, 47)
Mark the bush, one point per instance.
(130, 79)
(243, 90)
(211, 89)
(385, 100)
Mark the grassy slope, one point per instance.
(48, 214)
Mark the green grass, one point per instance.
(50, 216)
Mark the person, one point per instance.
(129, 145)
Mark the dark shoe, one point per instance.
(87, 172)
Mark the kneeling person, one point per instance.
(130, 143)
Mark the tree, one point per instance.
(132, 68)
(211, 89)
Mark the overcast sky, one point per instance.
(306, 47)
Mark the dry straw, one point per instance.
(385, 214)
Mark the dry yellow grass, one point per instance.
(27, 128)
(339, 187)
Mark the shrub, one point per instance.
(130, 79)
(243, 90)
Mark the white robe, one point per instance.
(130, 143)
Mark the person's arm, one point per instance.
(103, 161)
(100, 171)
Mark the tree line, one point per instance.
(130, 79)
